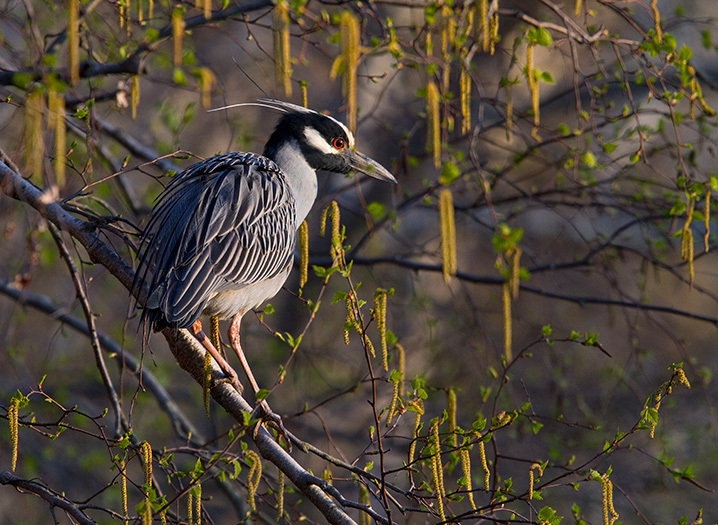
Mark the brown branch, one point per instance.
(185, 348)
(49, 495)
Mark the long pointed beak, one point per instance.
(363, 164)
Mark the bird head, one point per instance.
(322, 141)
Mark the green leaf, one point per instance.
(548, 516)
(376, 209)
(449, 173)
(539, 36)
(589, 159)
(261, 394)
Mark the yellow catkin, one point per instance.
(687, 248)
(514, 281)
(178, 26)
(364, 500)
(706, 219)
(121, 13)
(419, 407)
(56, 121)
(13, 422)
(140, 13)
(609, 513)
(506, 299)
(34, 140)
(349, 321)
(303, 89)
(350, 45)
(207, 9)
(398, 386)
(207, 80)
(448, 33)
(657, 21)
(451, 412)
(150, 9)
(282, 49)
(198, 505)
(128, 7)
(433, 122)
(380, 314)
(437, 471)
(465, 93)
(394, 402)
(484, 464)
(190, 507)
(280, 495)
(448, 234)
(135, 95)
(303, 254)
(323, 220)
(533, 88)
(207, 380)
(73, 41)
(146, 454)
(493, 32)
(253, 478)
(123, 486)
(401, 364)
(538, 468)
(577, 7)
(428, 44)
(509, 114)
(335, 217)
(466, 470)
(484, 24)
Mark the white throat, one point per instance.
(301, 178)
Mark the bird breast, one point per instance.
(227, 303)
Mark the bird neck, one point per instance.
(300, 176)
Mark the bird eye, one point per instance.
(338, 143)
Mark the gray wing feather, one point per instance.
(223, 223)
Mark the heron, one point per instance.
(221, 236)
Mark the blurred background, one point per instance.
(598, 203)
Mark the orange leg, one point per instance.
(233, 334)
(228, 371)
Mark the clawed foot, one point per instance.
(265, 415)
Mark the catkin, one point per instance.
(465, 93)
(433, 122)
(466, 470)
(350, 46)
(34, 140)
(13, 421)
(657, 21)
(706, 219)
(178, 26)
(253, 478)
(73, 41)
(56, 121)
(484, 25)
(533, 87)
(303, 254)
(282, 50)
(451, 412)
(506, 299)
(280, 494)
(380, 314)
(437, 470)
(448, 234)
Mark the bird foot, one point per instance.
(266, 415)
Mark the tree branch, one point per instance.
(185, 348)
(49, 495)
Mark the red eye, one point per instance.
(338, 143)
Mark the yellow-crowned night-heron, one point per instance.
(221, 237)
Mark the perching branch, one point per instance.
(185, 348)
